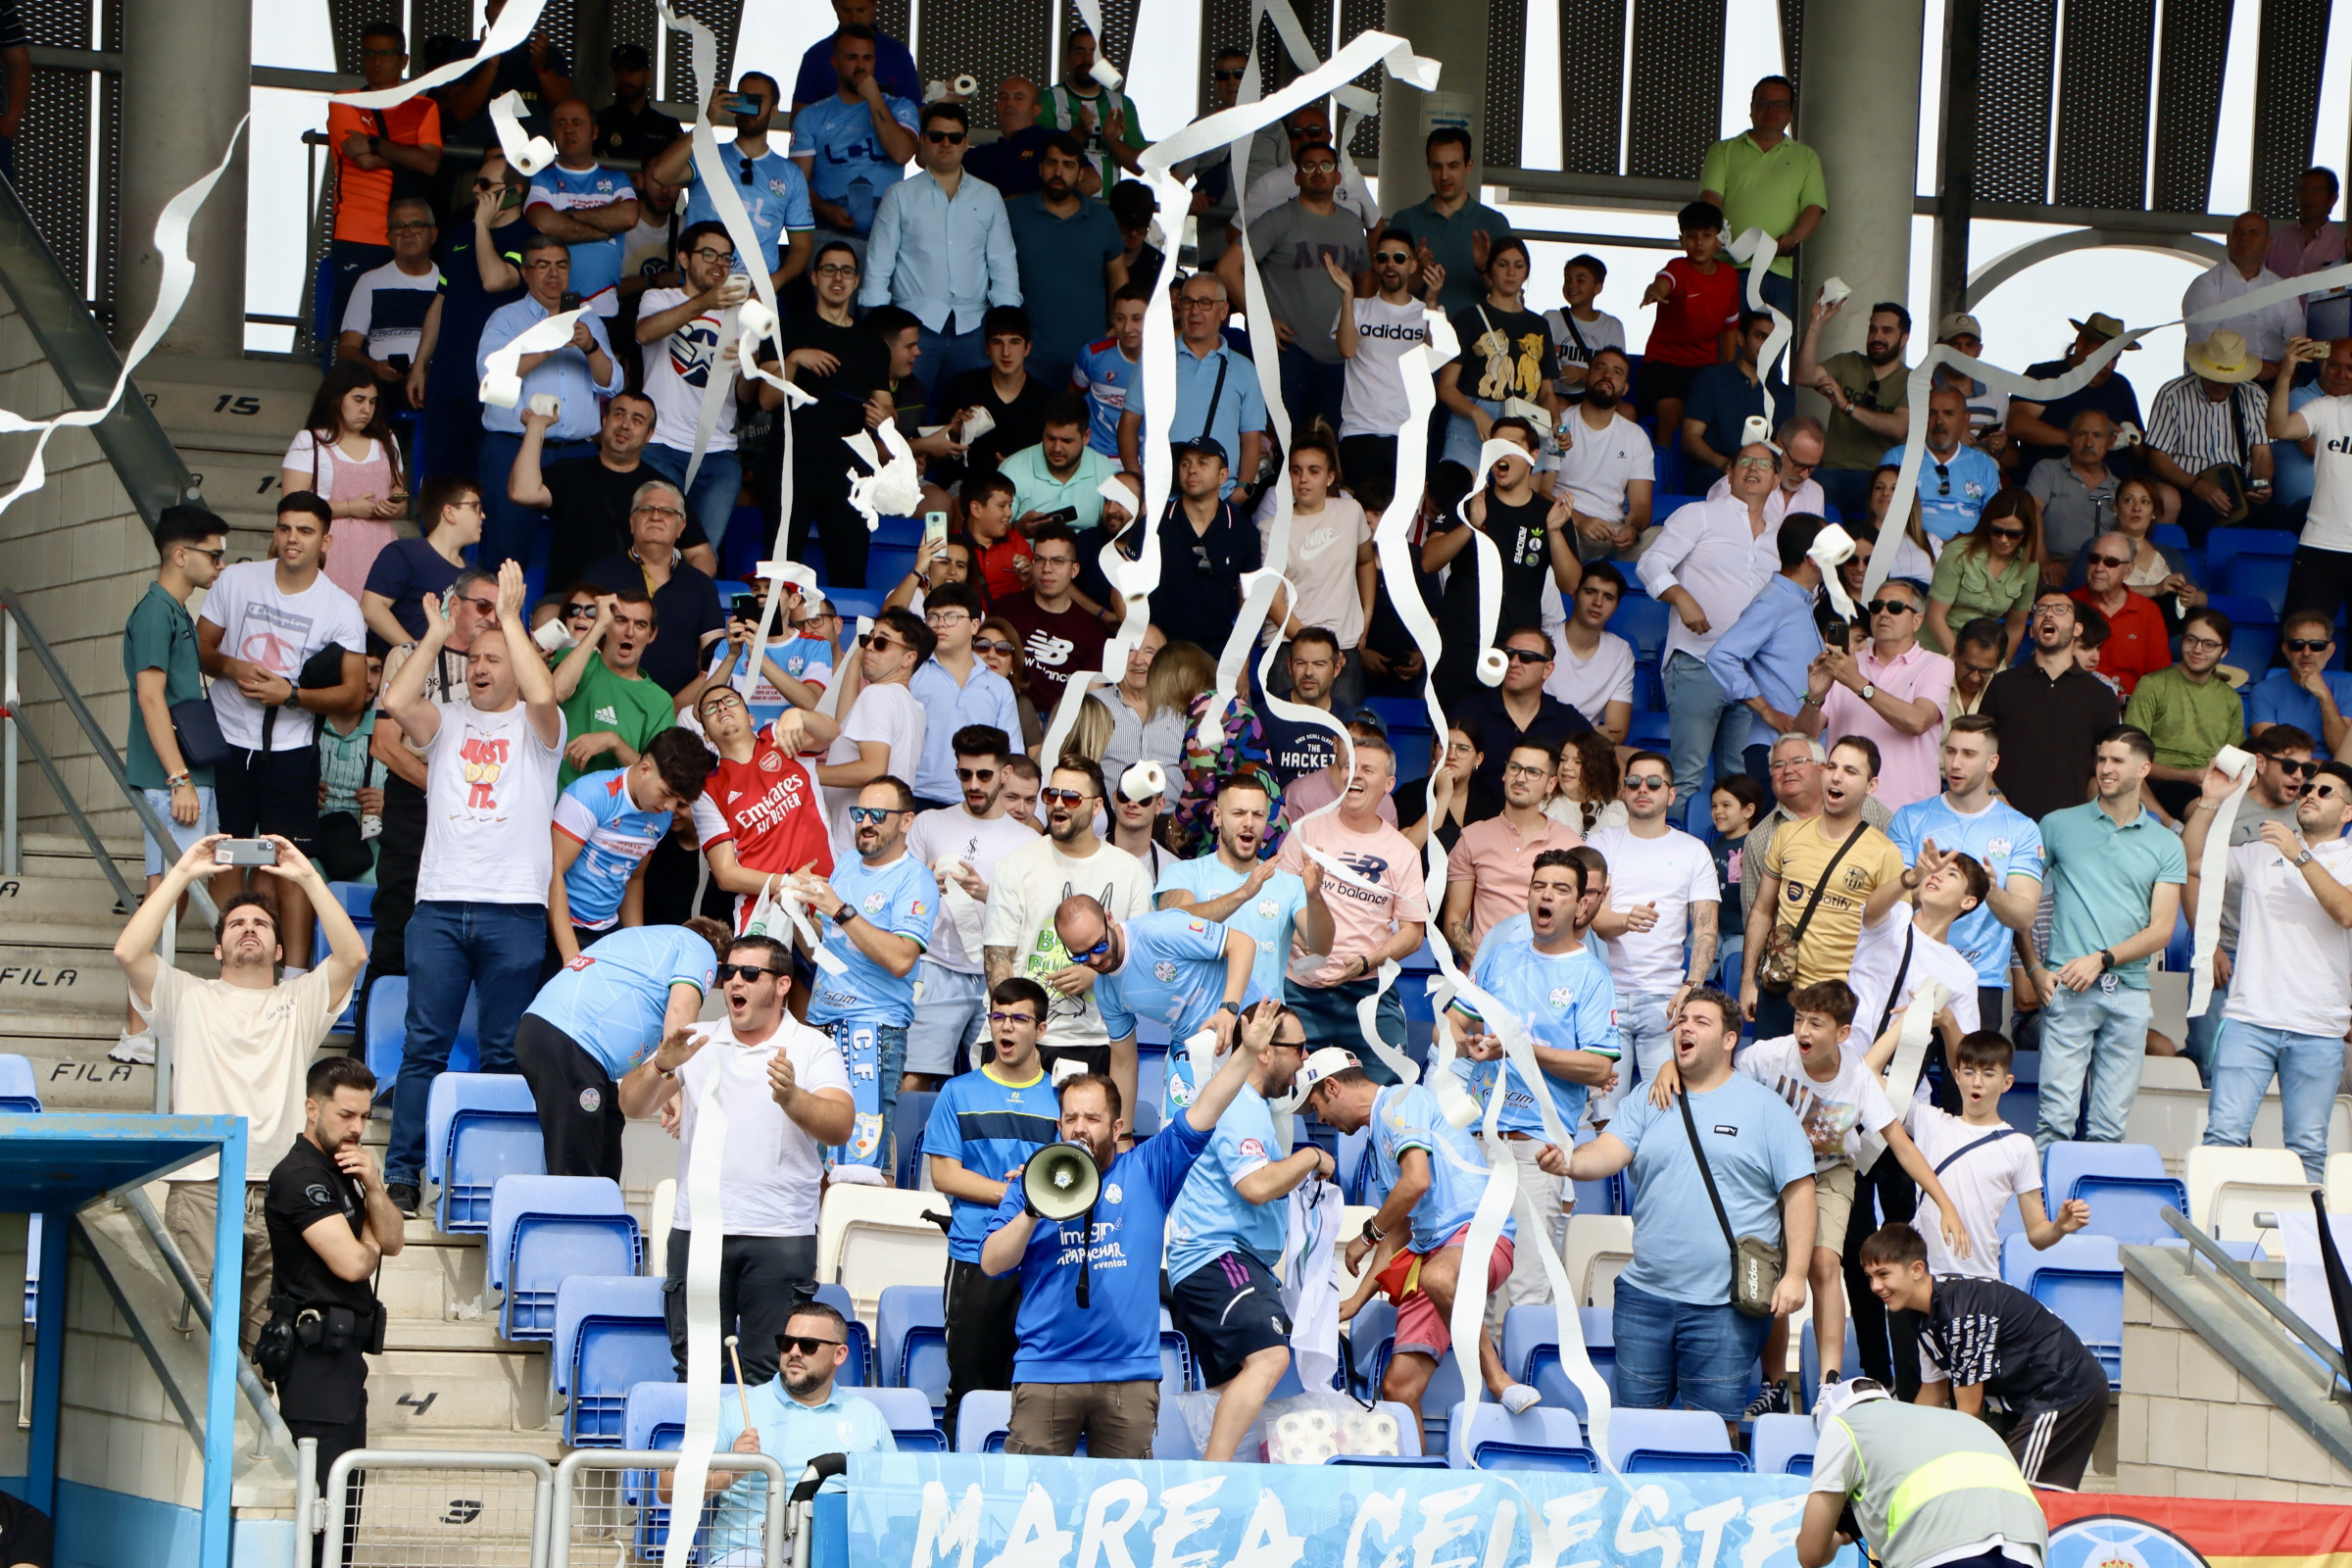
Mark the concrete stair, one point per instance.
(231, 421)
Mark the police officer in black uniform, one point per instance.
(332, 1225)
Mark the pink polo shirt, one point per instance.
(1910, 766)
(1498, 859)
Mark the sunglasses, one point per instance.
(579, 611)
(1101, 948)
(1526, 655)
(2300, 769)
(749, 971)
(216, 557)
(975, 775)
(876, 641)
(805, 1344)
(990, 645)
(1653, 781)
(2293, 645)
(951, 137)
(2110, 561)
(487, 607)
(1062, 797)
(1891, 606)
(872, 815)
(743, 169)
(2325, 792)
(2009, 533)
(1394, 258)
(1225, 75)
(1943, 472)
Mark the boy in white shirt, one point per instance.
(1579, 330)
(1986, 1161)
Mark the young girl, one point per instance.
(345, 454)
(1736, 805)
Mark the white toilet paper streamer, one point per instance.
(501, 374)
(2213, 873)
(704, 1170)
(1832, 547)
(527, 153)
(1910, 1055)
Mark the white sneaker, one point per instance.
(1519, 1398)
(138, 1050)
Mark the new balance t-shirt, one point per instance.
(898, 897)
(989, 1125)
(610, 1000)
(1211, 1217)
(614, 837)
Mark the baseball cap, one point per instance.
(1322, 1063)
(1370, 719)
(1206, 444)
(1957, 325)
(1836, 1398)
(631, 57)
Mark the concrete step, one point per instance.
(51, 981)
(235, 477)
(37, 900)
(546, 1445)
(435, 1391)
(436, 1278)
(50, 855)
(248, 399)
(70, 1070)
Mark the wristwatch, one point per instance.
(1233, 1008)
(845, 914)
(2303, 860)
(2106, 960)
(1869, 691)
(1371, 1232)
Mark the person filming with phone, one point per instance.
(238, 1045)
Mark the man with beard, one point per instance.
(1022, 936)
(1069, 251)
(786, 1096)
(1373, 335)
(983, 1128)
(1869, 400)
(1604, 466)
(629, 128)
(881, 910)
(1189, 974)
(855, 141)
(2050, 710)
(961, 845)
(1225, 1238)
(331, 1224)
(236, 1044)
(773, 187)
(1087, 1370)
(1235, 888)
(594, 493)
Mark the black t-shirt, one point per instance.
(26, 1534)
(305, 1188)
(1021, 420)
(1200, 595)
(1295, 750)
(405, 572)
(466, 306)
(686, 606)
(637, 134)
(840, 406)
(1009, 163)
(1988, 1332)
(1412, 804)
(1505, 354)
(590, 516)
(2049, 731)
(1518, 532)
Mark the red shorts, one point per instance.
(1418, 1325)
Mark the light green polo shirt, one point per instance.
(1035, 489)
(2104, 878)
(1762, 189)
(2188, 721)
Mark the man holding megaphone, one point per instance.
(1088, 1361)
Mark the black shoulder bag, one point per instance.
(1775, 965)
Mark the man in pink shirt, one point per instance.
(1487, 874)
(1379, 911)
(2311, 244)
(1893, 692)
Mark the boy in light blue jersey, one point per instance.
(1170, 966)
(1108, 370)
(1088, 1362)
(1431, 1175)
(606, 826)
(593, 1041)
(1225, 1238)
(878, 910)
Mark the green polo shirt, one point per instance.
(1849, 445)
(160, 635)
(1035, 489)
(635, 709)
(2104, 878)
(2187, 721)
(1762, 189)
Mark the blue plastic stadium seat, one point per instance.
(2062, 1164)
(478, 1127)
(388, 1032)
(982, 1420)
(1649, 732)
(1351, 1156)
(1650, 688)
(903, 532)
(356, 897)
(2131, 1208)
(1664, 1438)
(912, 1421)
(887, 564)
(907, 1120)
(18, 1094)
(609, 1335)
(653, 1418)
(1809, 1357)
(1472, 1433)
(1642, 621)
(1176, 1372)
(1530, 1349)
(910, 1339)
(1151, 1074)
(858, 1371)
(2223, 546)
(1782, 1445)
(2091, 1304)
(545, 1229)
(2262, 577)
(2021, 1260)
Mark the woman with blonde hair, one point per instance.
(1184, 679)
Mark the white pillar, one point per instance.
(1869, 147)
(1452, 33)
(186, 81)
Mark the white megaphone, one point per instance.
(1060, 1181)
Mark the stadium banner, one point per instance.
(1007, 1511)
(2092, 1531)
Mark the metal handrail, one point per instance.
(2203, 1245)
(134, 1199)
(334, 1519)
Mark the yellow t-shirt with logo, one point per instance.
(1800, 852)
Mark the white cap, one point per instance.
(1322, 1065)
(1836, 1398)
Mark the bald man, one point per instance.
(1172, 966)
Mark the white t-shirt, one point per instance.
(384, 341)
(1598, 465)
(1602, 331)
(1374, 400)
(1879, 957)
(1030, 883)
(1321, 567)
(489, 801)
(278, 631)
(676, 371)
(888, 713)
(1980, 1183)
(2294, 962)
(2328, 523)
(1587, 685)
(239, 1052)
(772, 1170)
(1673, 873)
(1829, 1112)
(954, 831)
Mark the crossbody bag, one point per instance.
(1756, 1263)
(1775, 965)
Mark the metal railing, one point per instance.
(395, 1509)
(609, 1513)
(2202, 1245)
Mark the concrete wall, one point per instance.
(2194, 1426)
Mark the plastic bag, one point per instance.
(1304, 1429)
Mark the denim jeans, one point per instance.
(1328, 1015)
(492, 950)
(875, 1055)
(712, 501)
(510, 529)
(1703, 723)
(2204, 1034)
(1648, 1038)
(2100, 1035)
(1461, 432)
(941, 358)
(1311, 389)
(1705, 1357)
(2309, 1068)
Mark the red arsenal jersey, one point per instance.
(767, 808)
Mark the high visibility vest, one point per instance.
(1932, 1481)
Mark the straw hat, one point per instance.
(2224, 357)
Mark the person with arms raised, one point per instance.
(1592, 669)
(1869, 395)
(1236, 888)
(773, 187)
(612, 708)
(882, 724)
(596, 494)
(756, 817)
(606, 829)
(680, 334)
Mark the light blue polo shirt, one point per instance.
(1755, 1146)
(1949, 502)
(2102, 879)
(791, 1434)
(1238, 406)
(2002, 839)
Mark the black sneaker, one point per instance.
(1772, 1400)
(404, 1198)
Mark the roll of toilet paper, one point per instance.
(2213, 869)
(1834, 289)
(1144, 780)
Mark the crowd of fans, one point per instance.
(1769, 824)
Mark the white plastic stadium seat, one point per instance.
(665, 1208)
(2169, 1111)
(1599, 1248)
(871, 1237)
(2229, 1187)
(2339, 1183)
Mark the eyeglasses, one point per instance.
(947, 617)
(2110, 561)
(975, 775)
(1752, 463)
(1943, 472)
(2325, 792)
(2293, 645)
(2009, 533)
(1526, 655)
(1647, 781)
(1981, 671)
(705, 253)
(1095, 952)
(951, 137)
(872, 815)
(1043, 559)
(717, 698)
(837, 269)
(1011, 1017)
(412, 226)
(658, 511)
(749, 971)
(1193, 301)
(1891, 606)
(1793, 766)
(2203, 641)
(1523, 770)
(1060, 797)
(990, 645)
(806, 1344)
(548, 266)
(2300, 768)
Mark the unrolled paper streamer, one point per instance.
(1756, 250)
(1910, 1055)
(2213, 871)
(704, 1172)
(502, 377)
(514, 25)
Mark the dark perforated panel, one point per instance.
(106, 244)
(724, 16)
(1360, 17)
(2013, 101)
(1506, 83)
(428, 19)
(634, 21)
(992, 41)
(60, 24)
(53, 165)
(2294, 43)
(2103, 104)
(1677, 110)
(894, 17)
(1118, 33)
(2189, 101)
(1793, 42)
(1224, 24)
(1274, 60)
(1591, 85)
(345, 19)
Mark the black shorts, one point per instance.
(2052, 1446)
(1663, 381)
(1229, 1309)
(269, 792)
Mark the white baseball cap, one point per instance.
(1836, 1398)
(1322, 1065)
